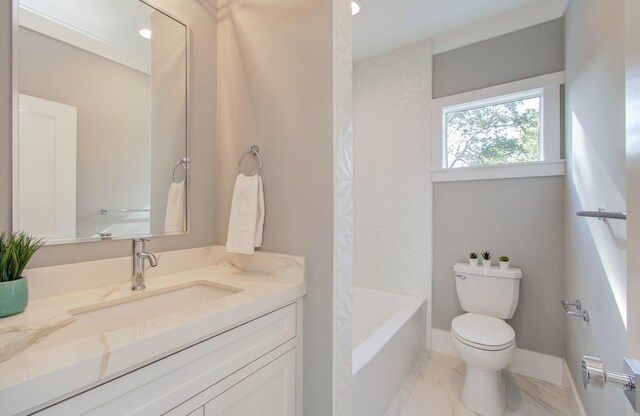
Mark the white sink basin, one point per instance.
(141, 307)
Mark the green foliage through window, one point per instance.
(495, 134)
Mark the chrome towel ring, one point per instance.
(182, 162)
(254, 150)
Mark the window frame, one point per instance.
(547, 87)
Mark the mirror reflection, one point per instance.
(101, 145)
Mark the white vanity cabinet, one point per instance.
(251, 369)
(270, 391)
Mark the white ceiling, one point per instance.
(385, 25)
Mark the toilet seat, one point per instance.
(483, 332)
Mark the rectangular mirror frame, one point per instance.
(15, 10)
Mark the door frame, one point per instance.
(632, 105)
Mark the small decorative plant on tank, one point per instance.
(504, 262)
(16, 249)
(486, 259)
(473, 258)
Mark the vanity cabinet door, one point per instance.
(270, 391)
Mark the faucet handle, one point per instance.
(138, 244)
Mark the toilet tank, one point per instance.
(488, 291)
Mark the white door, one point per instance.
(45, 169)
(270, 391)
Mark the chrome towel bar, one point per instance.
(602, 214)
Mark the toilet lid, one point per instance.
(484, 332)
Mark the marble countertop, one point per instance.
(47, 353)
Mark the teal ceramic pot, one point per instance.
(14, 296)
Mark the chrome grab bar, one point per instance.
(567, 305)
(602, 214)
(592, 369)
(105, 211)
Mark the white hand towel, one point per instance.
(246, 220)
(174, 218)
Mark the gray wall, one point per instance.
(6, 74)
(168, 112)
(523, 54)
(200, 16)
(520, 218)
(275, 90)
(595, 251)
(113, 124)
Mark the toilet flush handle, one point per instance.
(461, 276)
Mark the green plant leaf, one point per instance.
(16, 250)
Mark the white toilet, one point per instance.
(481, 336)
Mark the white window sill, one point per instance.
(521, 170)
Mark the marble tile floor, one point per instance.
(433, 389)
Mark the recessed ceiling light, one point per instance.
(145, 33)
(356, 7)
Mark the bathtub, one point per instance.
(388, 338)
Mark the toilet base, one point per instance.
(484, 392)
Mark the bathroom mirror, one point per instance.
(100, 148)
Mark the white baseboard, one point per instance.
(541, 366)
(575, 404)
(527, 363)
(441, 342)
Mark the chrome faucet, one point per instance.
(139, 256)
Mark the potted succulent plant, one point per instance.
(473, 259)
(486, 259)
(16, 249)
(504, 262)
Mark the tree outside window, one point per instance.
(495, 134)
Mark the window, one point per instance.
(494, 134)
(512, 128)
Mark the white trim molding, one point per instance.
(527, 363)
(542, 81)
(342, 312)
(501, 24)
(547, 87)
(38, 22)
(521, 170)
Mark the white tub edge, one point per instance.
(368, 349)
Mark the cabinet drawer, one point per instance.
(266, 387)
(269, 391)
(160, 386)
